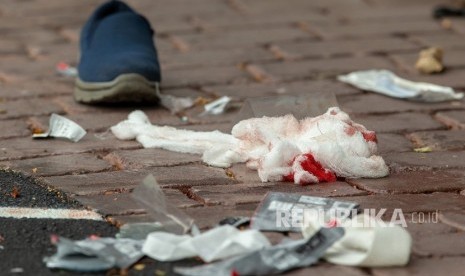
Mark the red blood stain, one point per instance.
(370, 136)
(62, 66)
(349, 130)
(289, 177)
(332, 223)
(314, 167)
(311, 165)
(234, 273)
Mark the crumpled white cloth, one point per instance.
(218, 243)
(367, 242)
(281, 148)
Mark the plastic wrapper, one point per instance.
(218, 243)
(273, 260)
(138, 231)
(61, 127)
(175, 104)
(283, 148)
(151, 197)
(94, 254)
(276, 211)
(387, 83)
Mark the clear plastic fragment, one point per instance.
(94, 254)
(150, 196)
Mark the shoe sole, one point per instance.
(125, 88)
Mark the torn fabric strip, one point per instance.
(311, 150)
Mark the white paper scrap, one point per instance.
(61, 127)
(217, 107)
(368, 242)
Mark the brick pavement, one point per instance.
(246, 48)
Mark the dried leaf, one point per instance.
(15, 192)
(230, 174)
(423, 149)
(139, 267)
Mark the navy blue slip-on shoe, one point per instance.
(119, 62)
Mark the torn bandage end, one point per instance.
(306, 170)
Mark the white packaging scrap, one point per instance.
(283, 148)
(387, 83)
(368, 242)
(62, 127)
(218, 243)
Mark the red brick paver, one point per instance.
(244, 49)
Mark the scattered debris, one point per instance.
(230, 173)
(151, 197)
(216, 107)
(66, 70)
(447, 11)
(387, 83)
(281, 149)
(423, 149)
(430, 61)
(17, 270)
(8, 78)
(34, 170)
(272, 260)
(94, 254)
(61, 127)
(446, 24)
(175, 104)
(139, 267)
(368, 241)
(34, 52)
(201, 101)
(266, 217)
(15, 192)
(138, 231)
(35, 125)
(218, 243)
(237, 222)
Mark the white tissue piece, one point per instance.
(218, 243)
(367, 242)
(283, 148)
(387, 83)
